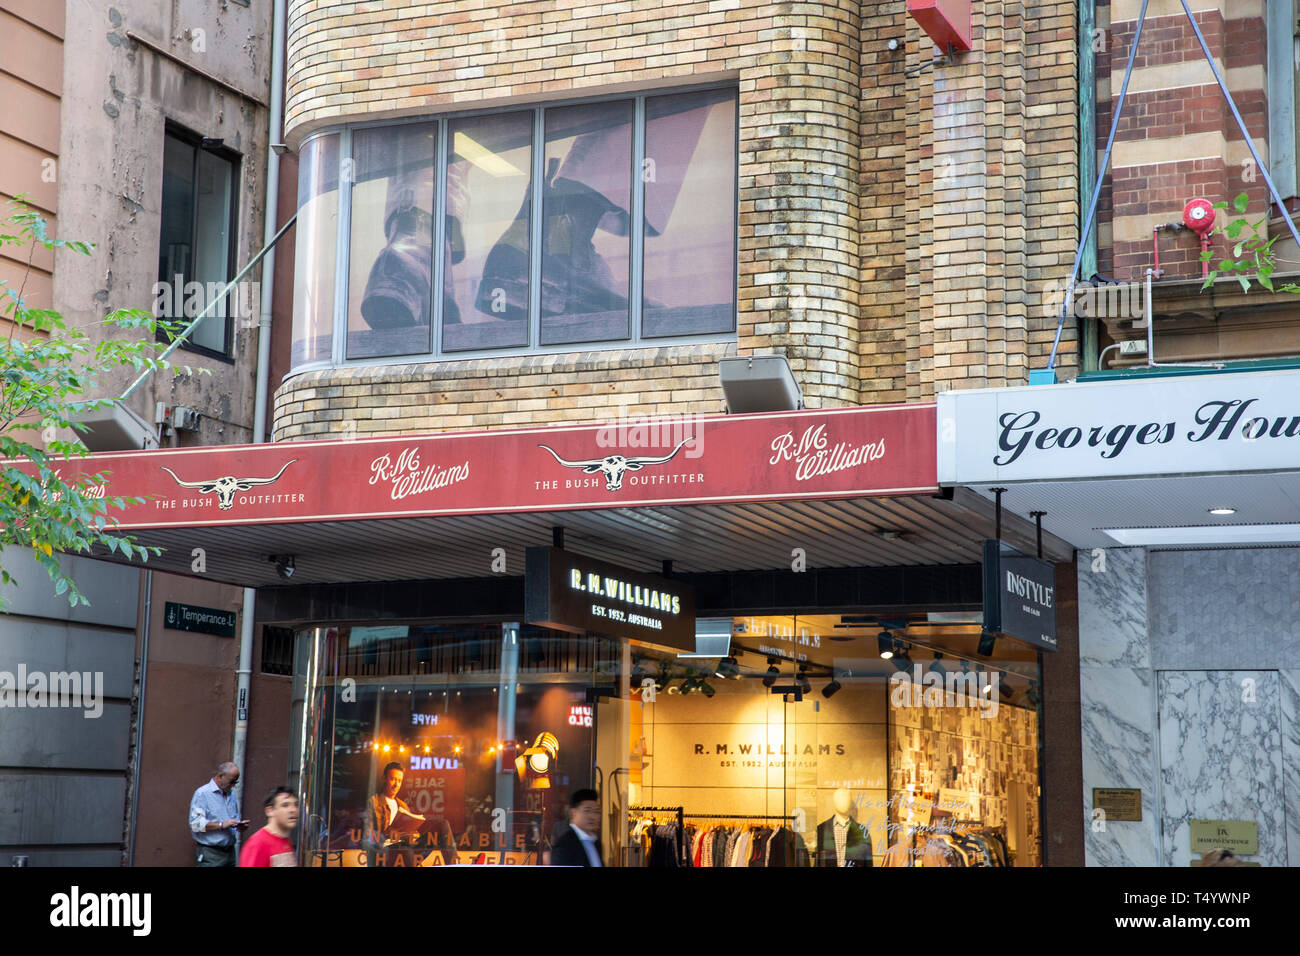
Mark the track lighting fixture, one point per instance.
(987, 641)
(885, 642)
(936, 667)
(727, 667)
(773, 672)
(831, 689)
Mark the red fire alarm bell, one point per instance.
(1198, 216)
(946, 22)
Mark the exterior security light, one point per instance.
(759, 383)
(116, 428)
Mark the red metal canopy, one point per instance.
(839, 453)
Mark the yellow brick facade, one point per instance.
(895, 231)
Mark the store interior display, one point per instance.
(821, 741)
(912, 713)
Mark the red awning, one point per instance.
(841, 453)
(853, 487)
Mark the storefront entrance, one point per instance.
(797, 745)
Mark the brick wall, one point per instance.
(894, 289)
(1177, 139)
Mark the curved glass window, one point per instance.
(317, 251)
(602, 224)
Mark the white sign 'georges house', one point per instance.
(1175, 461)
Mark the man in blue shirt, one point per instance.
(214, 818)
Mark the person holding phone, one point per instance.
(215, 820)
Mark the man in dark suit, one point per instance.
(580, 844)
(841, 840)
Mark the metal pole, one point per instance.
(1241, 124)
(211, 305)
(1038, 522)
(997, 514)
(1096, 192)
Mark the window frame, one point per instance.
(636, 340)
(235, 160)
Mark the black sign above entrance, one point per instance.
(1019, 595)
(573, 593)
(204, 620)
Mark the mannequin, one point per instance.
(857, 841)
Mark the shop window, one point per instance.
(596, 224)
(804, 747)
(196, 247)
(481, 731)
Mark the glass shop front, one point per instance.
(828, 740)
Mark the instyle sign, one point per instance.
(1197, 424)
(575, 593)
(837, 453)
(1019, 595)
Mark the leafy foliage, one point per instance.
(1252, 252)
(43, 384)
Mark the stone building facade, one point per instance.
(896, 222)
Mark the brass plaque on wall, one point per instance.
(1239, 836)
(1120, 805)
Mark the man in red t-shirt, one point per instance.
(270, 845)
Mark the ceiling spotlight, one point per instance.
(804, 684)
(885, 642)
(707, 689)
(283, 565)
(890, 534)
(831, 689)
(727, 667)
(1223, 511)
(773, 672)
(987, 641)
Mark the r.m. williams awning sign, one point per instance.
(838, 453)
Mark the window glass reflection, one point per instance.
(390, 277)
(316, 254)
(586, 242)
(690, 214)
(488, 216)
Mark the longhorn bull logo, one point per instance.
(615, 467)
(225, 488)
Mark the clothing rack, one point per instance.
(734, 816)
(681, 826)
